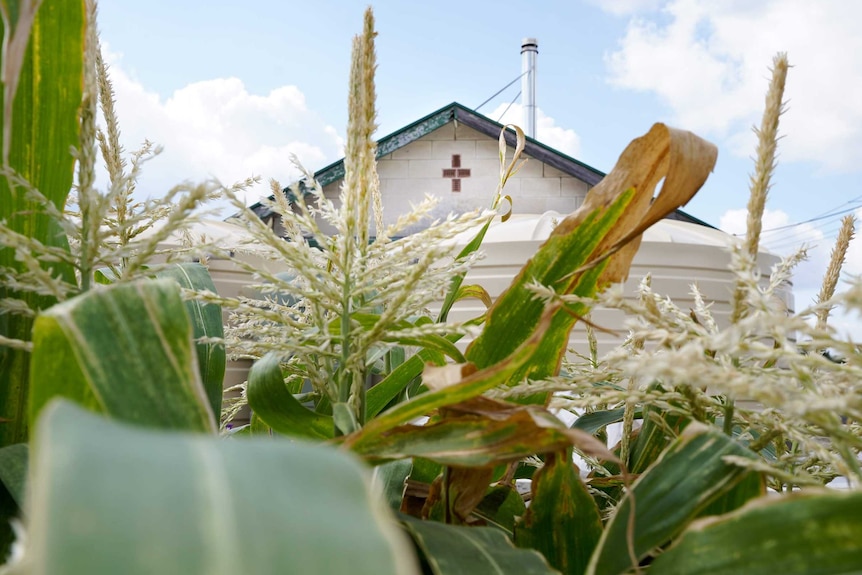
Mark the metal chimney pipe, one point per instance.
(529, 51)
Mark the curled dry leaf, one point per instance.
(475, 291)
(508, 213)
(681, 158)
(507, 170)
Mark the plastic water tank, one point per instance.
(676, 254)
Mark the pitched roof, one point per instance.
(459, 113)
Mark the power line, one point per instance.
(789, 232)
(501, 90)
(782, 245)
(824, 229)
(509, 106)
(786, 234)
(830, 213)
(815, 219)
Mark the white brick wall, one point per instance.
(540, 187)
(572, 186)
(483, 188)
(389, 169)
(418, 149)
(428, 168)
(552, 172)
(489, 149)
(446, 132)
(443, 149)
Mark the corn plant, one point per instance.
(59, 235)
(39, 80)
(348, 298)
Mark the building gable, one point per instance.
(453, 155)
(460, 166)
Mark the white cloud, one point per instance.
(216, 128)
(626, 7)
(709, 62)
(547, 130)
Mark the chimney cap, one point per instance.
(529, 43)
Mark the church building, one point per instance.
(453, 154)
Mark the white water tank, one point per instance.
(676, 254)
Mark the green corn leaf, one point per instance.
(390, 479)
(125, 350)
(563, 521)
(501, 507)
(206, 322)
(653, 438)
(425, 470)
(42, 79)
(434, 343)
(453, 550)
(595, 421)
(797, 534)
(659, 428)
(110, 498)
(257, 426)
(41, 82)
(275, 406)
(429, 341)
(105, 276)
(455, 287)
(750, 487)
(475, 291)
(344, 418)
(379, 396)
(13, 470)
(687, 477)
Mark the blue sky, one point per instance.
(230, 89)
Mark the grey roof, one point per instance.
(456, 112)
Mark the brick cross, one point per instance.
(456, 172)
